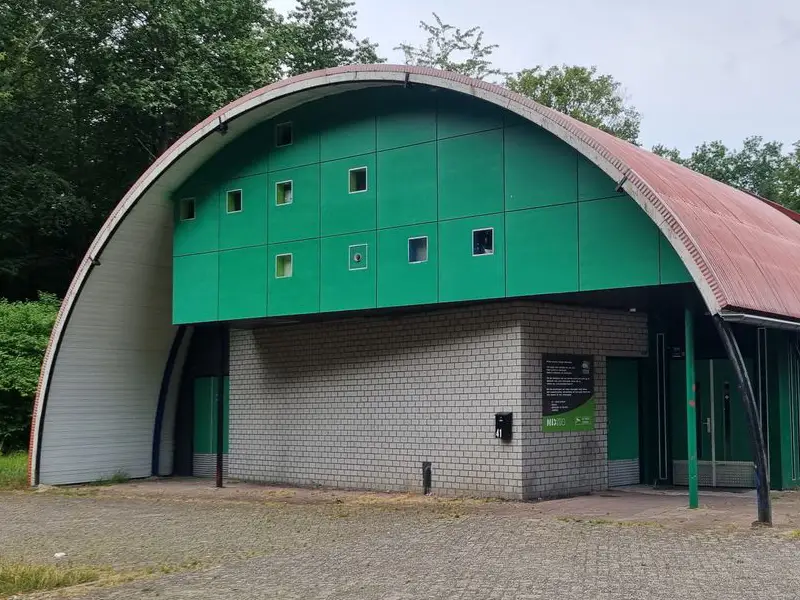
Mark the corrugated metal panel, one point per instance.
(741, 253)
(167, 447)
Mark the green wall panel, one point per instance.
(407, 186)
(300, 219)
(195, 288)
(342, 288)
(542, 246)
(623, 408)
(304, 148)
(405, 116)
(463, 276)
(243, 283)
(400, 282)
(672, 268)
(348, 126)
(618, 245)
(471, 175)
(243, 156)
(298, 294)
(540, 169)
(459, 115)
(593, 183)
(205, 416)
(200, 234)
(249, 226)
(343, 212)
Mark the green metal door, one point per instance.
(205, 425)
(622, 390)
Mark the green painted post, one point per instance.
(691, 409)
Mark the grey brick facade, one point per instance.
(361, 403)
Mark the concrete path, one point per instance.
(256, 542)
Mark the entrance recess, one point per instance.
(623, 421)
(724, 452)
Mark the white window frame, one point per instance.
(278, 126)
(472, 241)
(241, 198)
(181, 202)
(291, 261)
(364, 168)
(277, 183)
(427, 248)
(366, 257)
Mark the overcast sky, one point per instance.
(697, 70)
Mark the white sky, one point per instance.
(697, 70)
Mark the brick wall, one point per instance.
(362, 403)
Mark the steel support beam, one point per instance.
(753, 420)
(691, 409)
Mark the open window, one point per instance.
(283, 193)
(418, 250)
(482, 242)
(358, 180)
(187, 209)
(233, 201)
(283, 266)
(284, 134)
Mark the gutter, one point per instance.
(760, 321)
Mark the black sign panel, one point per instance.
(567, 385)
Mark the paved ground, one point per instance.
(256, 542)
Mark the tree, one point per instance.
(319, 34)
(759, 167)
(452, 49)
(582, 93)
(24, 333)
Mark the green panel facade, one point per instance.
(405, 117)
(672, 268)
(618, 245)
(197, 232)
(540, 169)
(542, 250)
(295, 292)
(463, 274)
(471, 175)
(244, 223)
(379, 165)
(195, 285)
(243, 283)
(347, 272)
(343, 210)
(623, 408)
(293, 212)
(408, 265)
(593, 184)
(407, 188)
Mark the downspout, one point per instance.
(753, 420)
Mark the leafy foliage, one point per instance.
(582, 93)
(24, 333)
(759, 167)
(452, 49)
(319, 35)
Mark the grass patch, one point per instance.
(20, 578)
(14, 471)
(117, 477)
(615, 523)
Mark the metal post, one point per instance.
(753, 421)
(220, 402)
(691, 409)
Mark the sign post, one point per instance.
(568, 400)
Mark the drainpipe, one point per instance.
(221, 402)
(753, 420)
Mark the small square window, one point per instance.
(187, 209)
(482, 242)
(283, 266)
(283, 193)
(418, 250)
(358, 257)
(358, 180)
(234, 201)
(283, 134)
